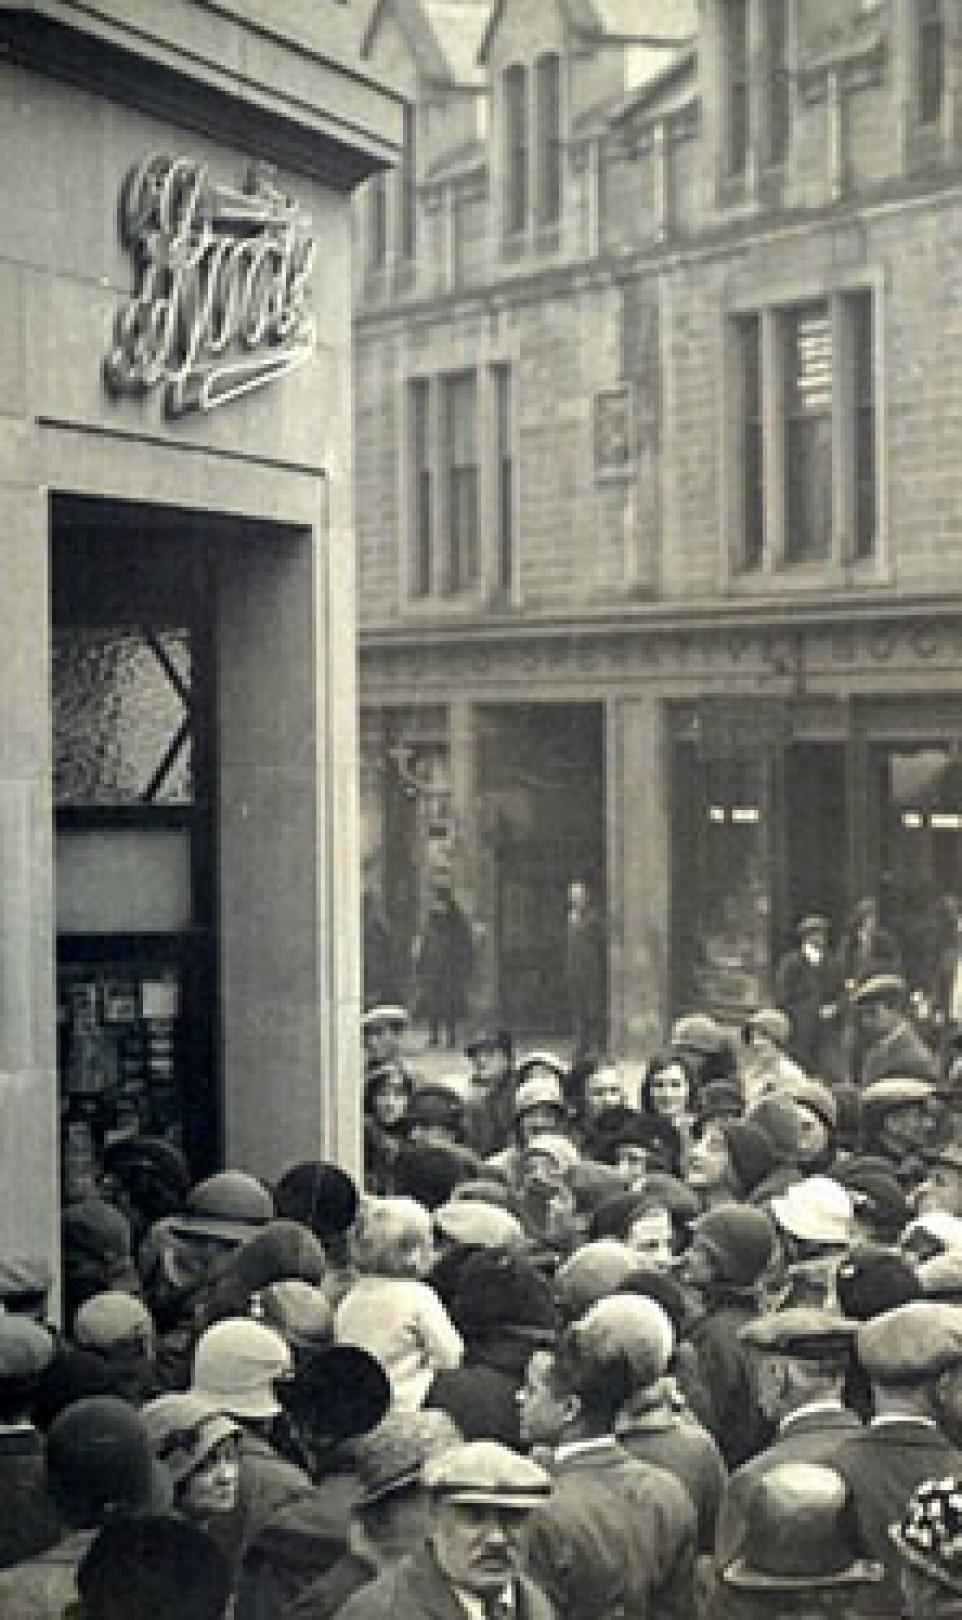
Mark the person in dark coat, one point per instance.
(903, 1352)
(617, 1535)
(893, 1046)
(802, 1356)
(156, 1565)
(806, 988)
(489, 1114)
(867, 949)
(444, 967)
(482, 1496)
(28, 1520)
(584, 971)
(730, 1251)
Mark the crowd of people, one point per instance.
(582, 1348)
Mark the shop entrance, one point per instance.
(814, 799)
(541, 790)
(131, 679)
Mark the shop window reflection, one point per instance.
(919, 794)
(727, 903)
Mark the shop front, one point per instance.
(178, 848)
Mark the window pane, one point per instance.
(121, 722)
(931, 60)
(408, 232)
(516, 150)
(378, 223)
(753, 506)
(421, 569)
(460, 412)
(549, 140)
(860, 316)
(777, 79)
(808, 432)
(736, 55)
(502, 377)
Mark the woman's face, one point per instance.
(391, 1100)
(213, 1487)
(709, 1164)
(650, 1236)
(812, 1134)
(669, 1091)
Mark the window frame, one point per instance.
(517, 156)
(930, 28)
(460, 484)
(848, 557)
(736, 89)
(407, 220)
(549, 173)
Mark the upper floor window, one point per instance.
(807, 475)
(734, 19)
(504, 477)
(548, 100)
(461, 482)
(931, 58)
(777, 80)
(407, 182)
(377, 223)
(515, 151)
(422, 491)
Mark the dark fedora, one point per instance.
(801, 1534)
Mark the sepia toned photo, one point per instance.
(481, 809)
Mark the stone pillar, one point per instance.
(639, 863)
(29, 1145)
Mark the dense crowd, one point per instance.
(584, 1348)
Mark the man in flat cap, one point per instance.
(893, 1046)
(801, 1355)
(904, 1352)
(618, 1534)
(806, 988)
(481, 1497)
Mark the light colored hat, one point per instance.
(941, 1277)
(482, 1471)
(939, 1225)
(541, 1091)
(184, 1429)
(817, 1210)
(300, 1311)
(811, 1094)
(235, 1364)
(554, 1146)
(113, 1321)
(541, 1060)
(771, 1022)
(482, 1226)
(912, 1343)
(879, 987)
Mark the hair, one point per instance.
(375, 1081)
(603, 1384)
(388, 1235)
(657, 1065)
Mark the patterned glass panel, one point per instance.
(117, 717)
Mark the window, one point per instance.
(753, 492)
(515, 151)
(407, 234)
(931, 49)
(807, 482)
(504, 477)
(461, 482)
(377, 223)
(735, 37)
(777, 79)
(863, 371)
(422, 569)
(548, 93)
(807, 360)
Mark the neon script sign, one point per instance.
(222, 282)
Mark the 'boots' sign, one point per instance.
(222, 284)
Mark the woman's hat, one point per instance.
(391, 1457)
(183, 1429)
(339, 1391)
(321, 1195)
(801, 1534)
(929, 1534)
(99, 1457)
(229, 1207)
(817, 1210)
(235, 1364)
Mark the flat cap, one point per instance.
(880, 987)
(549, 1061)
(697, 1032)
(540, 1091)
(911, 1344)
(26, 1349)
(941, 1277)
(113, 1320)
(479, 1225)
(803, 1332)
(299, 1311)
(392, 1456)
(484, 1472)
(882, 1096)
(592, 1272)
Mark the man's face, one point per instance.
(542, 1413)
(490, 1064)
(650, 1236)
(480, 1546)
(669, 1091)
(603, 1090)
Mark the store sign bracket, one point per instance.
(220, 304)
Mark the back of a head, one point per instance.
(141, 1569)
(99, 1460)
(388, 1235)
(320, 1195)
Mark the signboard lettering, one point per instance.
(222, 282)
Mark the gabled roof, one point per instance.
(444, 36)
(615, 21)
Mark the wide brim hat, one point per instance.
(385, 1015)
(541, 1060)
(228, 1207)
(813, 923)
(746, 1577)
(340, 1390)
(184, 1429)
(879, 987)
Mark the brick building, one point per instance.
(658, 340)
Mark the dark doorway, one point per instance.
(814, 821)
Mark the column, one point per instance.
(639, 862)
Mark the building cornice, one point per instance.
(221, 72)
